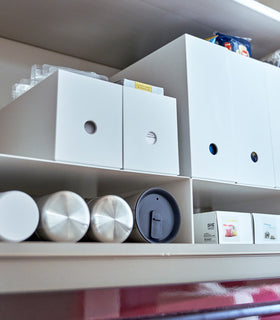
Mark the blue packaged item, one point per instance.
(233, 43)
(212, 39)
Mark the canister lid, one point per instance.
(111, 219)
(157, 215)
(64, 217)
(19, 216)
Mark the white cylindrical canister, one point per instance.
(156, 215)
(111, 219)
(19, 216)
(64, 217)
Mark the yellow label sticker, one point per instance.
(143, 86)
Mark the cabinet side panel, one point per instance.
(27, 125)
(166, 68)
(182, 192)
(272, 80)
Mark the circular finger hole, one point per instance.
(213, 148)
(90, 127)
(151, 137)
(254, 156)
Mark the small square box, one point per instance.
(223, 227)
(266, 228)
(67, 117)
(150, 138)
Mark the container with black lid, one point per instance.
(157, 216)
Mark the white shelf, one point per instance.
(118, 33)
(38, 176)
(216, 195)
(44, 266)
(34, 267)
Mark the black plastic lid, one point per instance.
(157, 216)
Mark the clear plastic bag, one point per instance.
(273, 58)
(19, 88)
(41, 72)
(47, 69)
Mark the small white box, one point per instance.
(67, 117)
(266, 228)
(223, 227)
(150, 137)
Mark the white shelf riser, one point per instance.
(101, 266)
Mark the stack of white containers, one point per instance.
(73, 118)
(227, 110)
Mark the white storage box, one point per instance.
(67, 117)
(266, 228)
(150, 136)
(252, 148)
(223, 227)
(223, 119)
